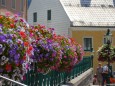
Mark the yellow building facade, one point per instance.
(97, 36)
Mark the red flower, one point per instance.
(26, 44)
(8, 67)
(1, 17)
(17, 64)
(30, 48)
(24, 58)
(22, 34)
(28, 51)
(12, 25)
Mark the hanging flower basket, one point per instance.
(22, 45)
(47, 55)
(53, 52)
(106, 52)
(71, 53)
(47, 52)
(15, 47)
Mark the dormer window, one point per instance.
(110, 5)
(103, 5)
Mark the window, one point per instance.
(3, 2)
(87, 44)
(35, 17)
(22, 5)
(110, 5)
(49, 15)
(86, 5)
(14, 4)
(103, 5)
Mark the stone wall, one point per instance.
(82, 80)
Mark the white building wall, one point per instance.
(59, 20)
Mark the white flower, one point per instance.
(3, 57)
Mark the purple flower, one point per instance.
(54, 54)
(50, 47)
(1, 25)
(2, 38)
(1, 70)
(17, 56)
(33, 57)
(49, 41)
(47, 55)
(21, 61)
(41, 55)
(16, 61)
(12, 52)
(51, 59)
(9, 36)
(36, 50)
(18, 14)
(15, 47)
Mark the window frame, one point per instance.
(35, 17)
(91, 45)
(49, 15)
(4, 3)
(14, 4)
(22, 5)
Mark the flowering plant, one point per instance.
(71, 53)
(52, 51)
(47, 52)
(105, 52)
(15, 47)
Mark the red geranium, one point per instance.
(8, 67)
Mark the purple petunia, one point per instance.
(2, 38)
(17, 56)
(1, 25)
(1, 70)
(9, 36)
(12, 52)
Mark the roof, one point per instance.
(29, 2)
(90, 12)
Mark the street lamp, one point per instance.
(108, 40)
(108, 37)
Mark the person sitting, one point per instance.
(94, 79)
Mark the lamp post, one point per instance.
(108, 39)
(92, 55)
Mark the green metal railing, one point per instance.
(55, 78)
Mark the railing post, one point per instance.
(65, 77)
(52, 75)
(92, 61)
